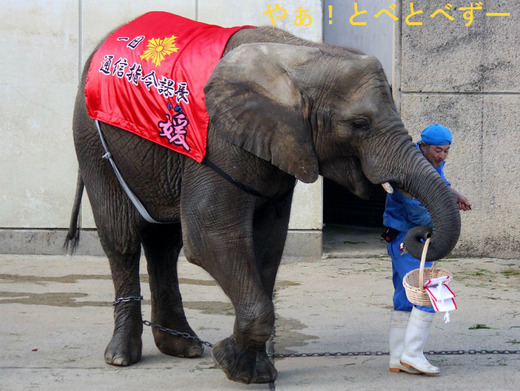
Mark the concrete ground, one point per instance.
(56, 318)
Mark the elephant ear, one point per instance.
(254, 102)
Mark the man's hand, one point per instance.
(462, 201)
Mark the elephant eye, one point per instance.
(360, 123)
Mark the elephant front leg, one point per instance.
(250, 363)
(242, 356)
(217, 226)
(269, 234)
(125, 347)
(231, 263)
(245, 366)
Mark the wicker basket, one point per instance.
(413, 281)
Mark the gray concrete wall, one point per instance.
(467, 78)
(43, 45)
(374, 38)
(463, 77)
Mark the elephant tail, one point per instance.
(72, 239)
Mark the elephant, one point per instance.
(281, 109)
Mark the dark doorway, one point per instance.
(341, 207)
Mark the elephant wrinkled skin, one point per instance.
(281, 109)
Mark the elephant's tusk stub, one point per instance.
(388, 187)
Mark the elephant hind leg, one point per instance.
(125, 347)
(117, 222)
(162, 245)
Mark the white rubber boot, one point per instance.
(398, 324)
(416, 335)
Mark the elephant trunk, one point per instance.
(424, 183)
(408, 170)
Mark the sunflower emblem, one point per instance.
(158, 49)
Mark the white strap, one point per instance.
(140, 207)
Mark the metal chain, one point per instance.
(327, 354)
(333, 354)
(379, 353)
(127, 299)
(177, 333)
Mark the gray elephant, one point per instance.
(281, 109)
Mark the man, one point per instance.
(409, 324)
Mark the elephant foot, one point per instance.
(244, 366)
(177, 346)
(123, 351)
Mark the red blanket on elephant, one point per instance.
(148, 78)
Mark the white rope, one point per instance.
(137, 203)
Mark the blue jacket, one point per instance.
(403, 214)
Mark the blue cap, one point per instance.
(436, 135)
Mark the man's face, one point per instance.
(435, 154)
